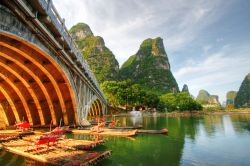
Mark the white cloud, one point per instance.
(217, 73)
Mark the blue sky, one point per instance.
(207, 42)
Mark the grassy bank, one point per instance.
(218, 112)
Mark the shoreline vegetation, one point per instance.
(188, 113)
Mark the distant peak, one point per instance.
(80, 31)
(152, 47)
(185, 88)
(203, 91)
(248, 76)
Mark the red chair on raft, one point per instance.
(23, 126)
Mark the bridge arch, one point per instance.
(95, 108)
(52, 94)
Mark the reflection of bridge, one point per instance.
(43, 76)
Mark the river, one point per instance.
(203, 140)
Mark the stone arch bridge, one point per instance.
(43, 76)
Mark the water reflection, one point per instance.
(241, 123)
(136, 118)
(205, 140)
(9, 159)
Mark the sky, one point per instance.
(207, 42)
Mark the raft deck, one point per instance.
(9, 135)
(64, 152)
(162, 131)
(71, 143)
(128, 127)
(108, 132)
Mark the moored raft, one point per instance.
(71, 143)
(13, 135)
(64, 152)
(108, 132)
(96, 122)
(127, 127)
(162, 131)
(8, 137)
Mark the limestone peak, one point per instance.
(205, 98)
(100, 59)
(242, 98)
(80, 31)
(150, 68)
(152, 47)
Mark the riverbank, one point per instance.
(200, 113)
(191, 113)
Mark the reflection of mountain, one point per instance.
(241, 122)
(212, 124)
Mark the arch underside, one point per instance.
(33, 86)
(95, 109)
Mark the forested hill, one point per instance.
(100, 59)
(150, 68)
(243, 96)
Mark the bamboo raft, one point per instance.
(108, 132)
(96, 122)
(162, 131)
(64, 152)
(71, 143)
(128, 127)
(13, 135)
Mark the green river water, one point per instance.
(204, 140)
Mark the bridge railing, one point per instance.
(59, 23)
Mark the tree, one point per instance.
(151, 100)
(110, 89)
(187, 103)
(169, 101)
(181, 101)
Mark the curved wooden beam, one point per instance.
(91, 111)
(11, 103)
(39, 82)
(100, 107)
(30, 90)
(96, 109)
(4, 114)
(17, 91)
